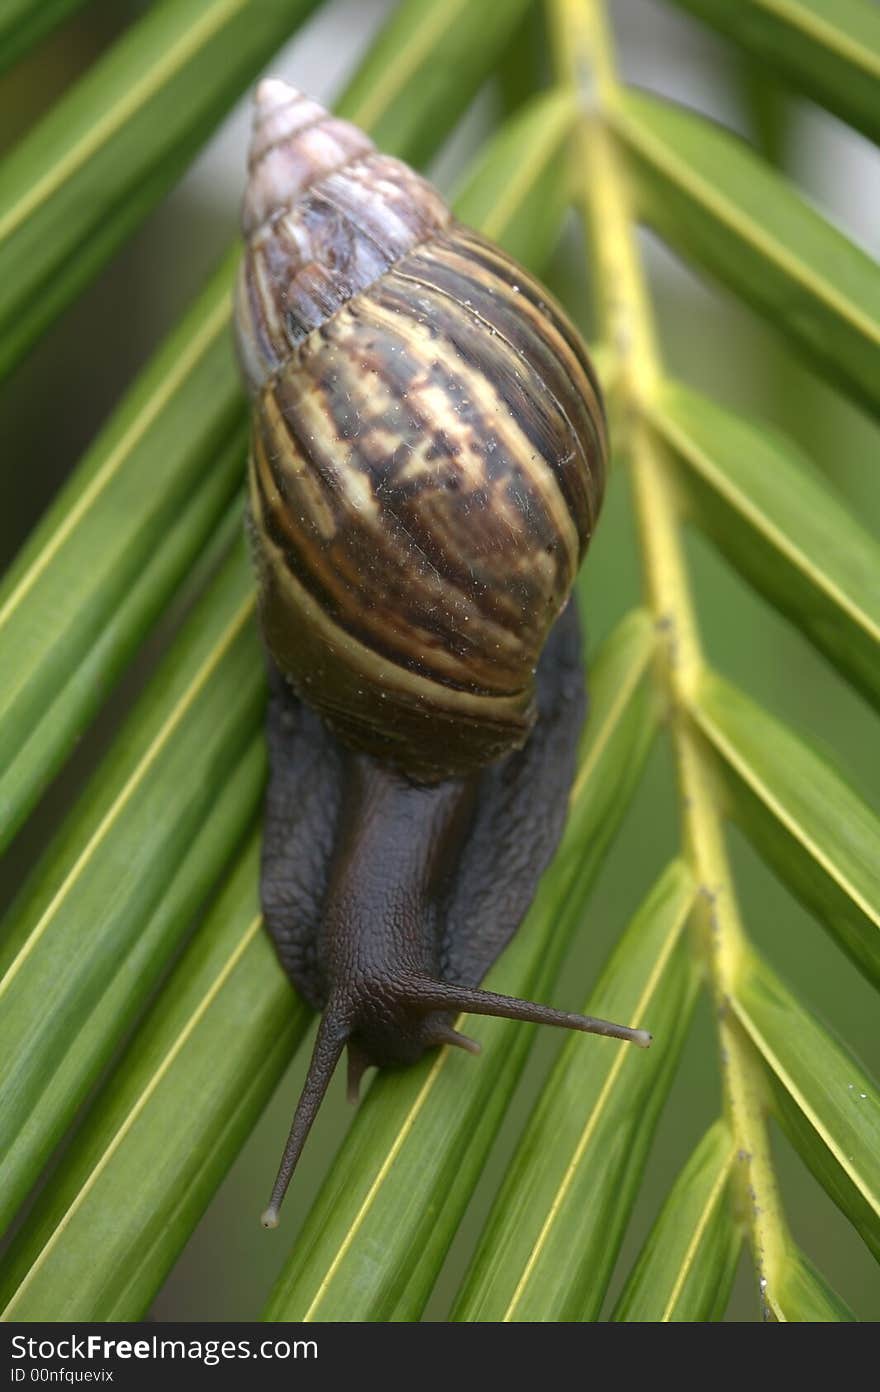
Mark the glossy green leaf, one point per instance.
(430, 57)
(24, 22)
(520, 169)
(116, 1011)
(166, 1129)
(93, 584)
(549, 1246)
(686, 1267)
(92, 896)
(824, 1099)
(714, 199)
(800, 815)
(828, 48)
(395, 1194)
(806, 1297)
(88, 174)
(782, 527)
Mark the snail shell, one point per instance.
(428, 455)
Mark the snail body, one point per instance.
(427, 467)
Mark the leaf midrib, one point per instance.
(102, 130)
(131, 785)
(595, 1116)
(825, 34)
(779, 254)
(141, 1101)
(742, 503)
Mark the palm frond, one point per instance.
(150, 1046)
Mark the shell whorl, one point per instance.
(324, 215)
(428, 453)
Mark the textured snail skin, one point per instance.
(427, 467)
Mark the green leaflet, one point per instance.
(91, 592)
(549, 1246)
(800, 815)
(520, 168)
(712, 198)
(430, 55)
(86, 176)
(828, 48)
(806, 1297)
(824, 1099)
(95, 891)
(686, 1267)
(124, 997)
(403, 1178)
(781, 525)
(166, 1128)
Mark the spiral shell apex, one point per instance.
(428, 452)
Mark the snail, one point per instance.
(427, 465)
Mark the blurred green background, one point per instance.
(52, 406)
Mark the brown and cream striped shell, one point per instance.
(428, 453)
